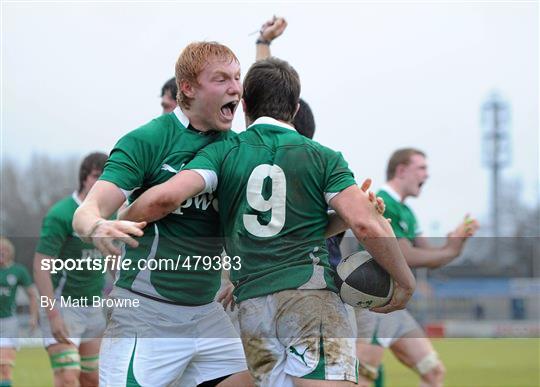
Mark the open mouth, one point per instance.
(228, 109)
(421, 184)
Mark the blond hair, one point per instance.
(6, 242)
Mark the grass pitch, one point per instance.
(469, 363)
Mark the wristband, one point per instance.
(263, 41)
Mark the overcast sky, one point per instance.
(76, 76)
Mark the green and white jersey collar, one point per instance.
(181, 117)
(390, 191)
(75, 197)
(271, 121)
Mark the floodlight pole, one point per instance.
(496, 154)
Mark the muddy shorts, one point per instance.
(297, 333)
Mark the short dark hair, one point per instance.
(401, 157)
(93, 161)
(303, 121)
(271, 88)
(171, 86)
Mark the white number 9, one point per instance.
(276, 202)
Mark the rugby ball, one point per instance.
(362, 282)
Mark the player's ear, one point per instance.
(399, 169)
(187, 88)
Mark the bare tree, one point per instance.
(26, 194)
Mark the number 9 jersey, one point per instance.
(273, 187)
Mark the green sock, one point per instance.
(380, 380)
(5, 383)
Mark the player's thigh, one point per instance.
(369, 353)
(220, 353)
(241, 379)
(412, 348)
(317, 335)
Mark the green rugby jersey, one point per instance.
(59, 240)
(274, 186)
(148, 156)
(11, 277)
(404, 222)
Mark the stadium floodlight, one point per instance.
(496, 152)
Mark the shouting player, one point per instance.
(177, 334)
(406, 173)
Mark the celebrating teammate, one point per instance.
(177, 334)
(274, 186)
(71, 331)
(12, 275)
(406, 173)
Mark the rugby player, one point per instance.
(406, 174)
(71, 335)
(12, 275)
(274, 189)
(178, 334)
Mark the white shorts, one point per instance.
(384, 329)
(83, 324)
(300, 333)
(157, 344)
(10, 332)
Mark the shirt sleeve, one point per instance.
(338, 175)
(129, 162)
(207, 163)
(398, 229)
(53, 235)
(25, 279)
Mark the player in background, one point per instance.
(168, 96)
(297, 278)
(12, 275)
(71, 335)
(406, 174)
(177, 335)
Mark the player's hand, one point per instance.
(58, 328)
(467, 228)
(273, 28)
(456, 239)
(106, 232)
(225, 296)
(377, 201)
(400, 298)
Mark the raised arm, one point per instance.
(164, 198)
(354, 206)
(269, 31)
